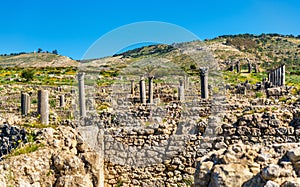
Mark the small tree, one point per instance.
(39, 50)
(55, 52)
(27, 75)
(193, 66)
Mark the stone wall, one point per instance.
(160, 156)
(10, 138)
(63, 160)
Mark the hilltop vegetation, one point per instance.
(23, 60)
(267, 51)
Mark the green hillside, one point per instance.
(266, 51)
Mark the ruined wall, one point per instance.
(160, 156)
(10, 138)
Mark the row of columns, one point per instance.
(143, 89)
(237, 66)
(181, 88)
(43, 105)
(277, 76)
(143, 99)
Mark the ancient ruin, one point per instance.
(164, 128)
(277, 76)
(43, 106)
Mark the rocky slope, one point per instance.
(37, 60)
(63, 160)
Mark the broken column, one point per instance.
(25, 104)
(62, 101)
(142, 90)
(181, 91)
(90, 103)
(231, 66)
(150, 90)
(256, 70)
(204, 82)
(186, 82)
(282, 75)
(249, 66)
(82, 106)
(238, 67)
(132, 87)
(43, 106)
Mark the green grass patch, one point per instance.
(38, 76)
(258, 94)
(38, 125)
(28, 148)
(235, 78)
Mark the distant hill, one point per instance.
(265, 50)
(37, 60)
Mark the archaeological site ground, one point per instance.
(223, 112)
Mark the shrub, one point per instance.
(27, 75)
(52, 103)
(26, 149)
(193, 66)
(258, 94)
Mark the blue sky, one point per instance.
(72, 27)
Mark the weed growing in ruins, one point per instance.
(188, 182)
(38, 125)
(31, 147)
(52, 103)
(258, 94)
(119, 183)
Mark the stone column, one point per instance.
(62, 101)
(142, 90)
(43, 106)
(272, 77)
(282, 75)
(256, 68)
(25, 104)
(90, 103)
(232, 66)
(276, 77)
(186, 82)
(238, 67)
(73, 91)
(277, 70)
(249, 67)
(82, 106)
(204, 82)
(150, 91)
(181, 91)
(132, 87)
(279, 76)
